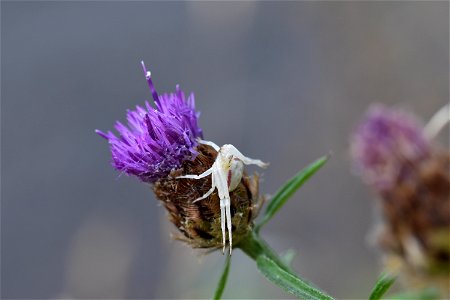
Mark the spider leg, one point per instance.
(206, 195)
(214, 145)
(222, 222)
(204, 174)
(220, 180)
(246, 160)
(229, 225)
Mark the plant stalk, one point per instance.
(276, 270)
(254, 246)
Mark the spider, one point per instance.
(226, 172)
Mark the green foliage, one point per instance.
(384, 282)
(288, 281)
(223, 279)
(274, 268)
(425, 294)
(289, 189)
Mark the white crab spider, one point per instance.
(226, 173)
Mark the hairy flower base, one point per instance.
(416, 231)
(200, 221)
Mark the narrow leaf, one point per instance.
(290, 188)
(287, 281)
(223, 279)
(425, 294)
(383, 283)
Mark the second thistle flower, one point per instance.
(410, 175)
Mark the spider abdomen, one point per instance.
(235, 174)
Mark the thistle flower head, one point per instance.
(156, 140)
(383, 142)
(410, 175)
(161, 144)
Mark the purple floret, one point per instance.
(385, 142)
(156, 141)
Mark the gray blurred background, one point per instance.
(285, 82)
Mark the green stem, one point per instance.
(223, 279)
(275, 270)
(254, 246)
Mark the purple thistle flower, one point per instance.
(385, 143)
(156, 141)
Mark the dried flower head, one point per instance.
(411, 177)
(156, 141)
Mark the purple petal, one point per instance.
(156, 141)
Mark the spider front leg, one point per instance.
(206, 195)
(229, 224)
(246, 160)
(222, 222)
(220, 177)
(204, 174)
(209, 143)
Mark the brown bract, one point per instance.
(200, 221)
(416, 211)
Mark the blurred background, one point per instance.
(284, 82)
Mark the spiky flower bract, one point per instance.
(157, 140)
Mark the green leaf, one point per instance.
(383, 283)
(289, 189)
(223, 279)
(287, 281)
(425, 294)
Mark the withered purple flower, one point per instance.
(410, 175)
(156, 141)
(383, 142)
